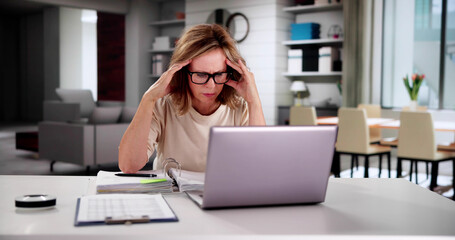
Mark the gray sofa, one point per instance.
(79, 130)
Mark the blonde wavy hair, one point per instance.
(195, 42)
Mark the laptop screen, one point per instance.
(268, 165)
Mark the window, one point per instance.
(413, 32)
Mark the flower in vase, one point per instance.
(414, 85)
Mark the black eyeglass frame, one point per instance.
(212, 76)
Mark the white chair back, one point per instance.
(353, 132)
(416, 134)
(373, 111)
(302, 116)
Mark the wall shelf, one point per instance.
(313, 8)
(312, 41)
(161, 50)
(312, 74)
(168, 22)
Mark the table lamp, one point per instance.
(298, 87)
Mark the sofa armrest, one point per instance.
(66, 142)
(60, 111)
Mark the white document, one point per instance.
(108, 182)
(96, 208)
(188, 180)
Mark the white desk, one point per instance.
(383, 207)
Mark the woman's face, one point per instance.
(211, 62)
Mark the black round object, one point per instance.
(35, 201)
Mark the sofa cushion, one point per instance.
(82, 96)
(105, 115)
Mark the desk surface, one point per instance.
(383, 207)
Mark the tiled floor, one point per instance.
(21, 162)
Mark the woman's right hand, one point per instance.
(162, 86)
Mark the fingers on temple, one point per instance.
(234, 66)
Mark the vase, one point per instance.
(413, 105)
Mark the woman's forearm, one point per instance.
(133, 146)
(256, 115)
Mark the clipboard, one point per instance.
(122, 209)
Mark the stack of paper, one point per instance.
(108, 182)
(188, 180)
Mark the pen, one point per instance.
(135, 175)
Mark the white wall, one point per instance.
(137, 41)
(70, 48)
(89, 52)
(262, 49)
(78, 51)
(51, 52)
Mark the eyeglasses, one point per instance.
(202, 77)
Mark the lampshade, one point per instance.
(298, 86)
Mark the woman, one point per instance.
(207, 84)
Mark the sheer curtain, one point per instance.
(358, 52)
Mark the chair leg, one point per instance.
(410, 170)
(357, 162)
(367, 165)
(426, 163)
(353, 157)
(417, 171)
(453, 178)
(398, 167)
(336, 164)
(380, 165)
(434, 175)
(388, 165)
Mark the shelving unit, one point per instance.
(322, 85)
(161, 51)
(313, 8)
(322, 41)
(312, 74)
(168, 22)
(326, 15)
(165, 27)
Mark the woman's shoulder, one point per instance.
(164, 104)
(240, 104)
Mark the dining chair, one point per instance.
(393, 141)
(353, 139)
(373, 111)
(417, 143)
(300, 115)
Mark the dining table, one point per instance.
(390, 123)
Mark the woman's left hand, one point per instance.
(246, 86)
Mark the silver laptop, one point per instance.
(253, 166)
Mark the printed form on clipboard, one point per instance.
(122, 208)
